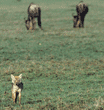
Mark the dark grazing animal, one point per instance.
(78, 19)
(34, 12)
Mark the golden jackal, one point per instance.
(17, 87)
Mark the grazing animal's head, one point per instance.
(28, 24)
(76, 21)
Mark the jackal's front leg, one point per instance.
(14, 97)
(19, 98)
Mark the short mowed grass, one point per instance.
(62, 67)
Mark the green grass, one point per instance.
(62, 67)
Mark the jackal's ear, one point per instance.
(13, 78)
(20, 76)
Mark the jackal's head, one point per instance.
(16, 79)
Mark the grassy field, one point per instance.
(62, 67)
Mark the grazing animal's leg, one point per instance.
(31, 24)
(34, 23)
(79, 21)
(82, 21)
(39, 18)
(39, 22)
